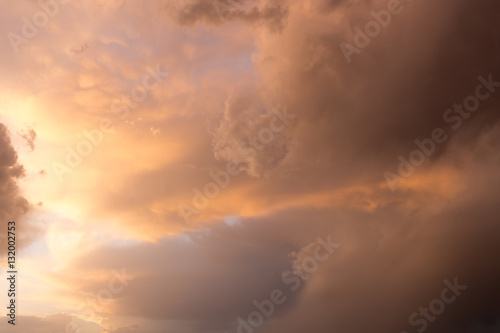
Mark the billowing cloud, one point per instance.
(14, 205)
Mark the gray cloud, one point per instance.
(29, 136)
(12, 204)
(271, 14)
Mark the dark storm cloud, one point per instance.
(12, 204)
(359, 117)
(400, 268)
(354, 120)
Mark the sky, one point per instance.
(251, 166)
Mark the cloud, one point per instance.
(125, 329)
(49, 324)
(271, 14)
(322, 175)
(374, 108)
(252, 135)
(29, 135)
(392, 261)
(234, 274)
(13, 205)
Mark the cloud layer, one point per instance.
(211, 134)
